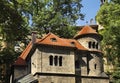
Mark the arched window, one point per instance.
(97, 46)
(93, 45)
(95, 66)
(60, 61)
(51, 60)
(56, 60)
(89, 44)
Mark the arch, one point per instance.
(93, 45)
(97, 46)
(89, 44)
(50, 60)
(95, 66)
(60, 61)
(56, 60)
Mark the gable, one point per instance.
(51, 40)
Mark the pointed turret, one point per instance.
(90, 39)
(87, 30)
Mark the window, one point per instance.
(51, 60)
(56, 60)
(53, 39)
(89, 44)
(93, 45)
(60, 61)
(97, 46)
(95, 66)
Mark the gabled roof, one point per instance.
(50, 39)
(54, 40)
(26, 51)
(86, 30)
(20, 62)
(21, 59)
(76, 44)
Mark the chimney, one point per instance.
(34, 36)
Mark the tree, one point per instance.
(51, 15)
(12, 24)
(109, 17)
(116, 1)
(12, 29)
(116, 77)
(16, 16)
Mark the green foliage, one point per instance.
(17, 17)
(12, 29)
(109, 17)
(116, 1)
(51, 15)
(7, 57)
(116, 76)
(11, 22)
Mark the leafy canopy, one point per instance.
(18, 16)
(109, 17)
(57, 16)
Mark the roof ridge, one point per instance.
(86, 30)
(26, 49)
(47, 36)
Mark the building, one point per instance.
(58, 60)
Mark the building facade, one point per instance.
(58, 60)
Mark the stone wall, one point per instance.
(19, 72)
(85, 42)
(34, 61)
(95, 80)
(95, 65)
(56, 79)
(40, 60)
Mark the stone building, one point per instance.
(58, 60)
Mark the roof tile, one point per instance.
(20, 61)
(86, 30)
(50, 39)
(26, 51)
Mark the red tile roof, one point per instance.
(20, 62)
(86, 30)
(49, 39)
(52, 39)
(26, 51)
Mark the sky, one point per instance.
(89, 9)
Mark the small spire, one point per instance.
(91, 21)
(86, 22)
